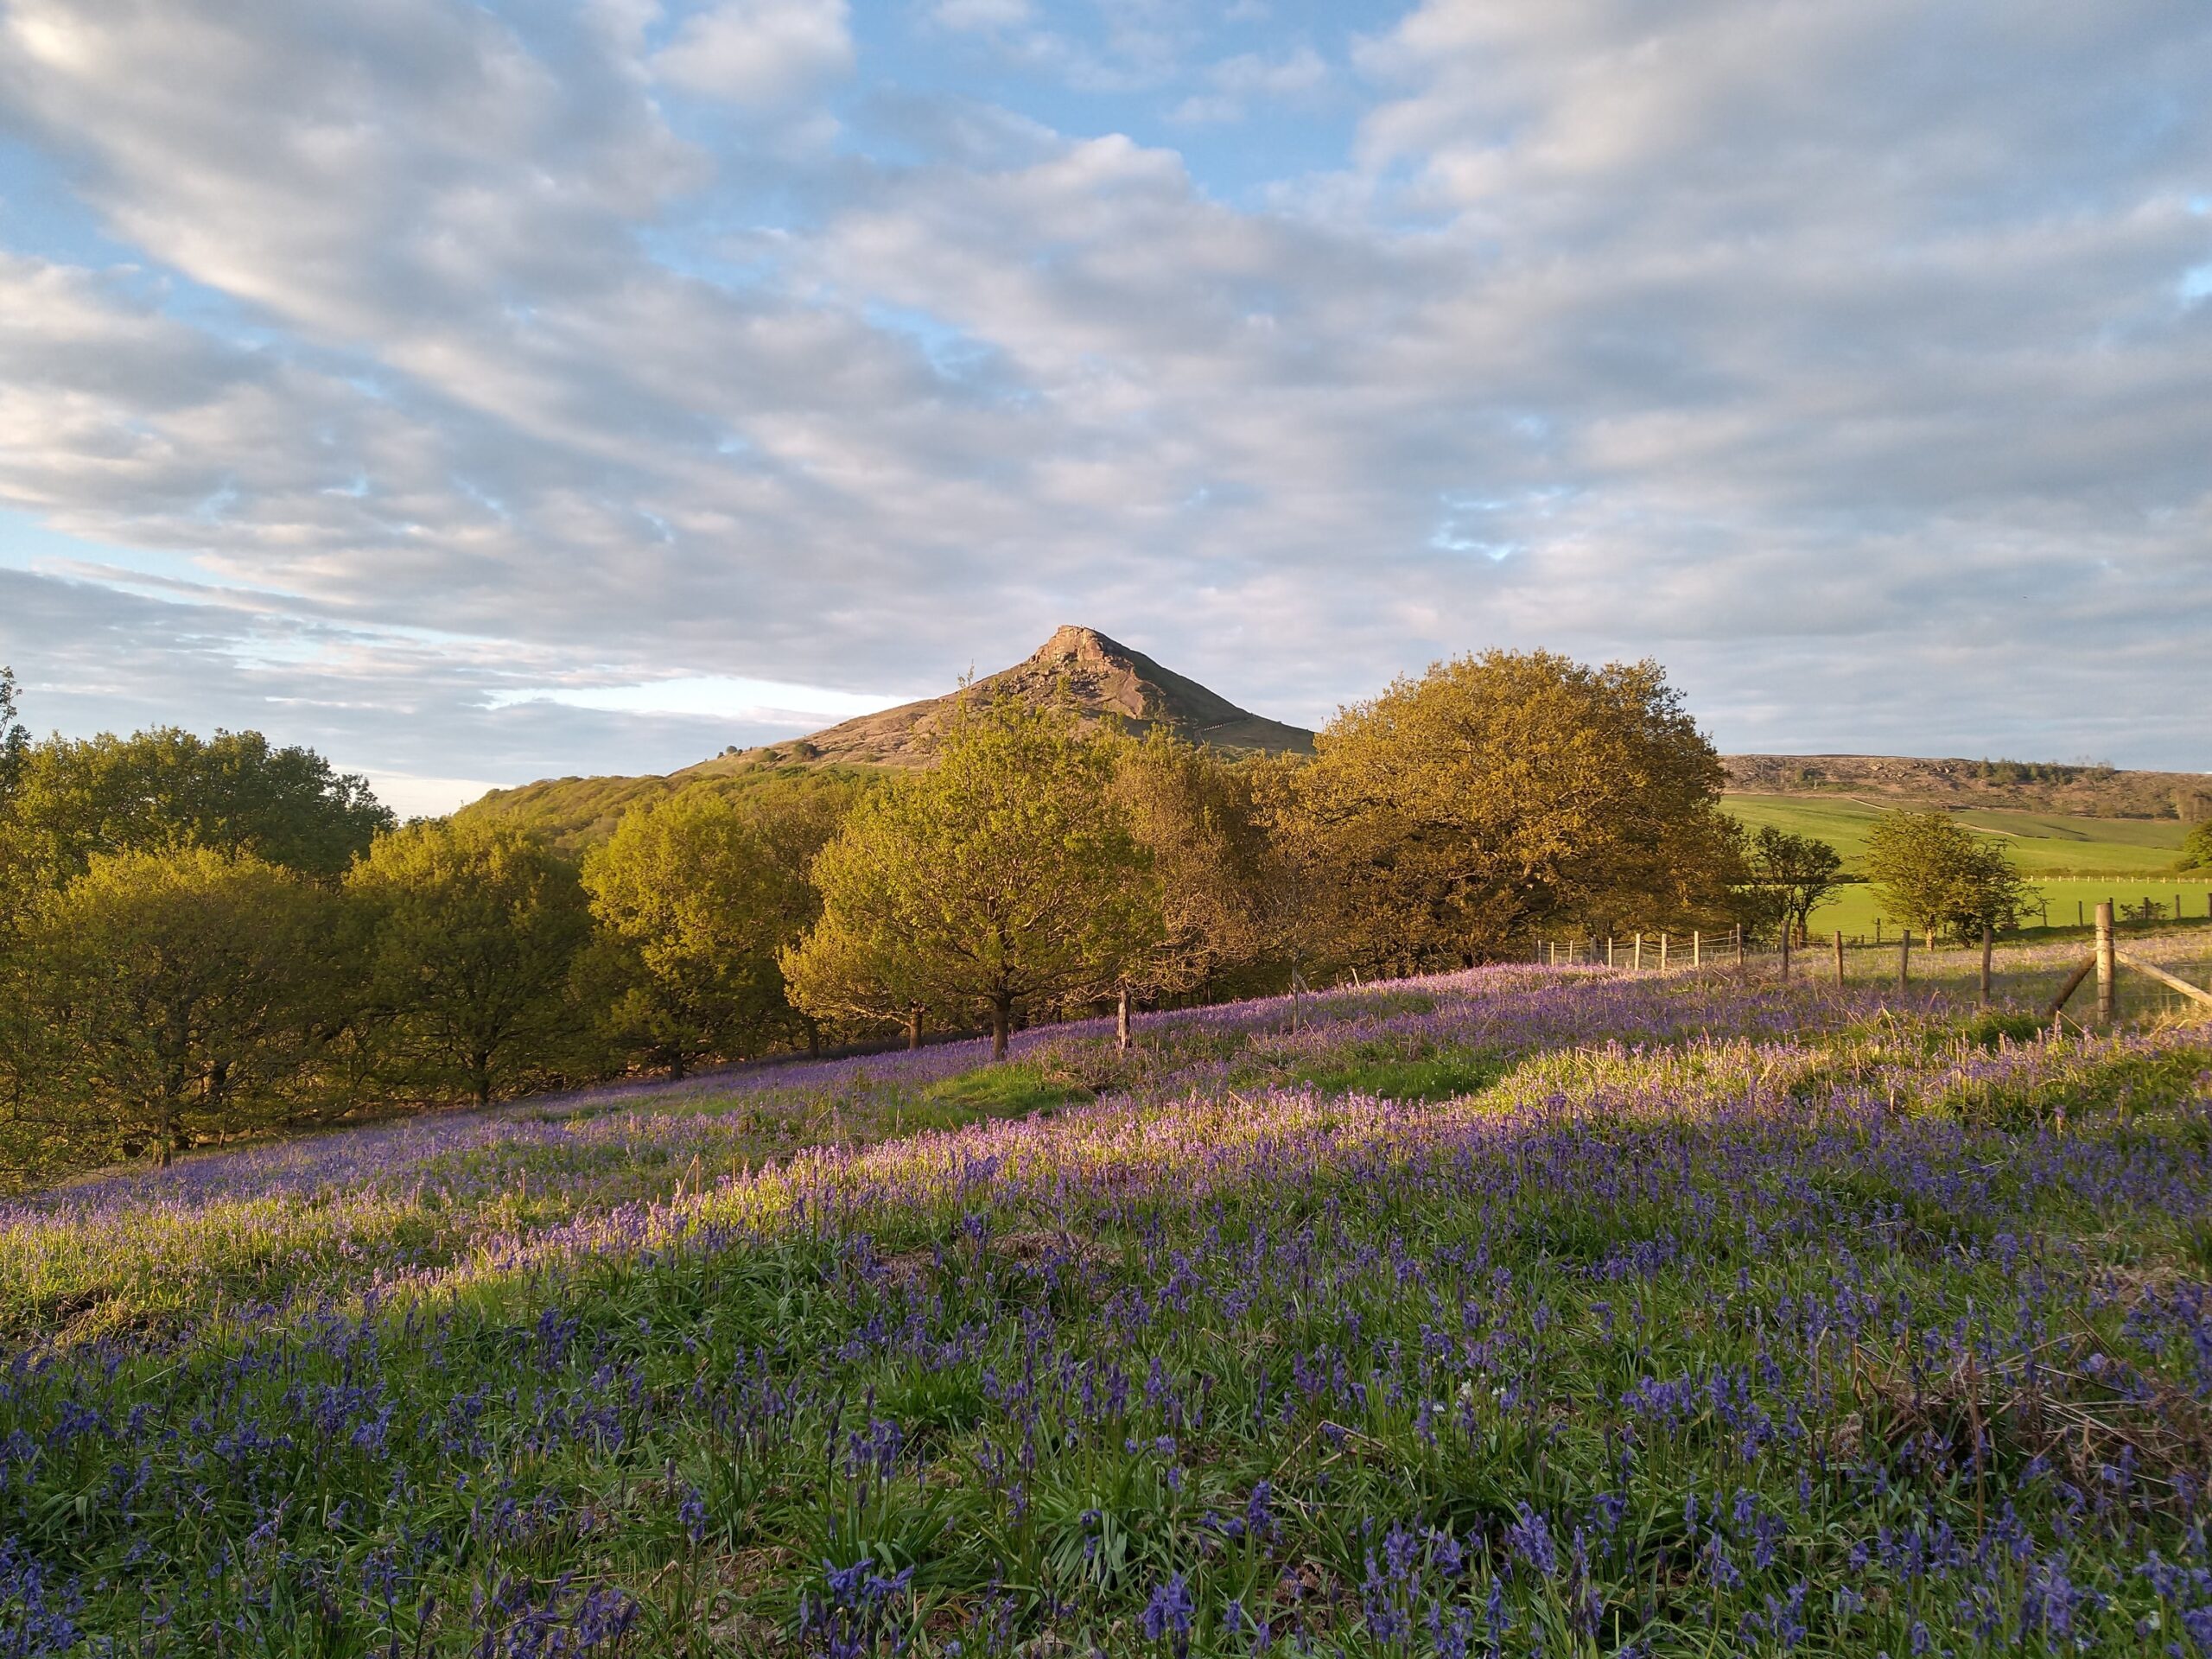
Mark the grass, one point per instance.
(2066, 902)
(2041, 844)
(1505, 1310)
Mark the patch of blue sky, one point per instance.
(40, 216)
(26, 544)
(952, 350)
(2196, 284)
(1451, 537)
(1066, 68)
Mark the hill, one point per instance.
(2075, 790)
(2091, 818)
(1103, 678)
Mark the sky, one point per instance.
(484, 392)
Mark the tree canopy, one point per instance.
(697, 899)
(1498, 793)
(468, 933)
(1221, 881)
(1790, 875)
(180, 991)
(1006, 876)
(14, 738)
(1935, 875)
(233, 792)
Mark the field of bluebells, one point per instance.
(1519, 1311)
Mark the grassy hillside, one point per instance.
(2041, 844)
(573, 813)
(2133, 858)
(2078, 790)
(1503, 1311)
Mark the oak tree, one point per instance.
(1005, 876)
(1444, 821)
(468, 934)
(181, 994)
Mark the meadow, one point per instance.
(1506, 1311)
(2129, 859)
(2041, 843)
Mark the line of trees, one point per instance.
(200, 939)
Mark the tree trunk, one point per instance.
(1121, 1021)
(914, 1028)
(1001, 1016)
(813, 1038)
(480, 1067)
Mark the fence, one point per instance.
(1697, 952)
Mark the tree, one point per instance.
(15, 740)
(163, 789)
(692, 895)
(1792, 873)
(1444, 820)
(2196, 848)
(1005, 876)
(1220, 878)
(1934, 875)
(181, 992)
(469, 932)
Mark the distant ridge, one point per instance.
(2084, 788)
(1102, 677)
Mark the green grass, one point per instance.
(1855, 909)
(1719, 1299)
(2041, 844)
(1439, 1077)
(1013, 1090)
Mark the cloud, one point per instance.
(1842, 358)
(981, 14)
(1236, 84)
(762, 54)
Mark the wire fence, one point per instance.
(1905, 957)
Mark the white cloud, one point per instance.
(763, 53)
(718, 697)
(1235, 85)
(982, 14)
(1789, 343)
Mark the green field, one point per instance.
(2129, 859)
(2133, 857)
(2041, 844)
(1854, 909)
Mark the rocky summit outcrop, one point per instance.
(1099, 678)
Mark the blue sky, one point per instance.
(482, 393)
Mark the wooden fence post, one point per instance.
(1839, 956)
(1121, 1021)
(1697, 947)
(1985, 965)
(1662, 952)
(1635, 957)
(1739, 947)
(2108, 969)
(1609, 950)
